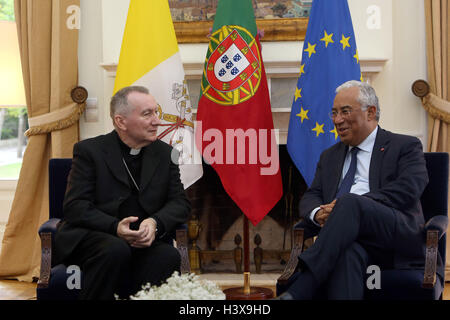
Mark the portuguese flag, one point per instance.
(234, 119)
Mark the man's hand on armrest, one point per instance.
(321, 215)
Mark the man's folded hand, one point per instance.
(148, 226)
(325, 210)
(124, 231)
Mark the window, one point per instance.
(13, 113)
(7, 10)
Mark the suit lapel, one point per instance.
(379, 149)
(150, 161)
(336, 172)
(113, 158)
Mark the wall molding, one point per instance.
(279, 69)
(370, 67)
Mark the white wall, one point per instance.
(90, 56)
(400, 39)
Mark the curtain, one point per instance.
(437, 102)
(48, 45)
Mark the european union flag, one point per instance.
(329, 58)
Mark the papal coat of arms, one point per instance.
(233, 72)
(178, 124)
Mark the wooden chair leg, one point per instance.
(182, 246)
(46, 259)
(429, 277)
(293, 259)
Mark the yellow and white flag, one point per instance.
(150, 57)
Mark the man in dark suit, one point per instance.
(364, 199)
(123, 196)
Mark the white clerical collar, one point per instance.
(135, 152)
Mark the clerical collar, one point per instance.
(126, 149)
(135, 152)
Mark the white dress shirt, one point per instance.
(361, 182)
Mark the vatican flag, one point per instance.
(150, 57)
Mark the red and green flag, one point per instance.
(235, 131)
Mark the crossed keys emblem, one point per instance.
(174, 122)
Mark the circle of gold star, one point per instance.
(335, 133)
(328, 38)
(303, 114)
(302, 69)
(298, 93)
(344, 42)
(311, 49)
(318, 129)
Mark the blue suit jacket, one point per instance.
(397, 178)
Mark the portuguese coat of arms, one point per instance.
(233, 72)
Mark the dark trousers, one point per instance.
(110, 266)
(359, 232)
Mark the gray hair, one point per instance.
(367, 96)
(119, 102)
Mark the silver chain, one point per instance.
(131, 176)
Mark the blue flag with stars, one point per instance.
(329, 58)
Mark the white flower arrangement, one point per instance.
(181, 287)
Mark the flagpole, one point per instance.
(246, 246)
(247, 292)
(247, 289)
(234, 68)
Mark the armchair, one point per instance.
(418, 284)
(53, 278)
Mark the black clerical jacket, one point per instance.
(98, 184)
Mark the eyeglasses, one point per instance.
(345, 113)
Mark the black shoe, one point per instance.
(284, 296)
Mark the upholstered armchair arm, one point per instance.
(435, 228)
(49, 226)
(439, 223)
(46, 233)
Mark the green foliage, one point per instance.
(10, 171)
(7, 10)
(16, 112)
(11, 123)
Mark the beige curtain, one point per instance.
(437, 102)
(48, 46)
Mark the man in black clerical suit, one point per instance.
(123, 196)
(364, 199)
